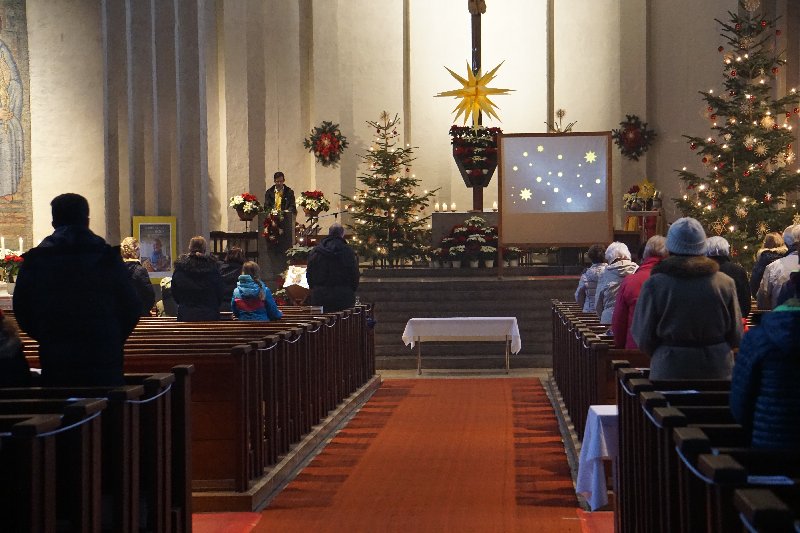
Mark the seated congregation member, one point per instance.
(333, 272)
(718, 249)
(252, 300)
(789, 289)
(584, 295)
(619, 266)
(765, 397)
(687, 317)
(14, 369)
(75, 297)
(777, 272)
(231, 269)
(655, 250)
(773, 248)
(139, 275)
(197, 284)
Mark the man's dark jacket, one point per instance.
(739, 275)
(288, 202)
(75, 296)
(197, 288)
(333, 274)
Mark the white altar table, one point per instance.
(600, 441)
(459, 329)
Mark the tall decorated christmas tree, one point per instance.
(389, 223)
(749, 159)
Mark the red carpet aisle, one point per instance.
(480, 455)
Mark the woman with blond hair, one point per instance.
(139, 276)
(197, 284)
(251, 299)
(773, 248)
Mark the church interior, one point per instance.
(484, 166)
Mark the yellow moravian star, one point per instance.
(475, 94)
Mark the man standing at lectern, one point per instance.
(281, 198)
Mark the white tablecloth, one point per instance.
(600, 441)
(463, 329)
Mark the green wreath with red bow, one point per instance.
(633, 137)
(327, 143)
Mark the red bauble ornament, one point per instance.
(713, 117)
(763, 23)
(732, 93)
(709, 109)
(749, 148)
(775, 70)
(733, 73)
(746, 173)
(713, 141)
(738, 27)
(796, 110)
(788, 115)
(693, 146)
(720, 49)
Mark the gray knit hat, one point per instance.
(686, 236)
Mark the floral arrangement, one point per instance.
(10, 263)
(488, 252)
(281, 297)
(314, 201)
(246, 203)
(272, 226)
(298, 254)
(633, 138)
(475, 148)
(471, 240)
(641, 197)
(560, 128)
(327, 143)
(457, 252)
(512, 252)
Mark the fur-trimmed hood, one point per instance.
(780, 251)
(693, 266)
(196, 263)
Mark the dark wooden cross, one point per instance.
(476, 8)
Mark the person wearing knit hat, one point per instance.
(129, 248)
(777, 272)
(687, 317)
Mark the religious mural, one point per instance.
(15, 175)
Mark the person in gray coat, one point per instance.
(687, 317)
(619, 266)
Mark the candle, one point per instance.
(2, 243)
(436, 207)
(494, 205)
(453, 206)
(20, 244)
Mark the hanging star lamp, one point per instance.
(474, 95)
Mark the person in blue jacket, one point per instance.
(252, 300)
(764, 397)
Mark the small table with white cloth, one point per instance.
(483, 328)
(600, 441)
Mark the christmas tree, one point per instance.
(749, 157)
(389, 224)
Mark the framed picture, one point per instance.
(157, 246)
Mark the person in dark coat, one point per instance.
(139, 275)
(332, 272)
(197, 284)
(718, 249)
(687, 318)
(14, 369)
(765, 397)
(280, 196)
(772, 249)
(230, 270)
(75, 297)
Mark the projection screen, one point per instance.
(555, 189)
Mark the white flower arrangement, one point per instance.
(245, 202)
(488, 252)
(475, 221)
(457, 252)
(475, 237)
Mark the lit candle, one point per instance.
(494, 205)
(20, 244)
(453, 206)
(436, 207)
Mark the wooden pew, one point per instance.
(769, 511)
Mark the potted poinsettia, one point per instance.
(488, 254)
(312, 202)
(512, 255)
(475, 153)
(10, 262)
(246, 206)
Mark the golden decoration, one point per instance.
(474, 94)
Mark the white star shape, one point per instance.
(590, 157)
(525, 194)
(540, 148)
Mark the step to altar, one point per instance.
(400, 297)
(469, 272)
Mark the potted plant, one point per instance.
(10, 262)
(312, 202)
(512, 255)
(434, 257)
(298, 255)
(457, 254)
(488, 254)
(246, 206)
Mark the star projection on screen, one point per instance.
(555, 174)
